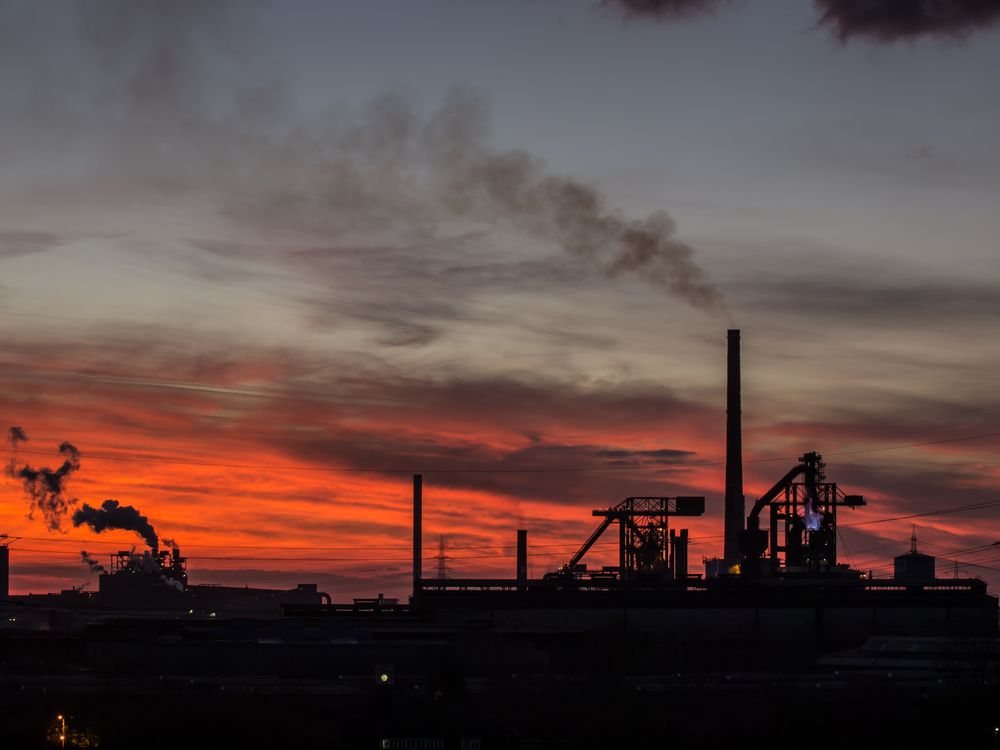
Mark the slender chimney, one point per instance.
(522, 554)
(418, 550)
(4, 571)
(679, 554)
(735, 509)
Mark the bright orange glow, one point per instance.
(349, 530)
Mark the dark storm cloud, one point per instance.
(895, 20)
(149, 82)
(663, 9)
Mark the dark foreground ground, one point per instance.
(520, 712)
(855, 699)
(517, 679)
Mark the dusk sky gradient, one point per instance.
(250, 249)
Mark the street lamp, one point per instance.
(62, 730)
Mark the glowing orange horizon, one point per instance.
(187, 459)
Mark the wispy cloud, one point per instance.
(14, 243)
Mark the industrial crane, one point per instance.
(646, 546)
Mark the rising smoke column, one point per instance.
(895, 20)
(44, 487)
(113, 515)
(477, 182)
(95, 567)
(15, 436)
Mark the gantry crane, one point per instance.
(646, 545)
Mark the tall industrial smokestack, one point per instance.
(522, 554)
(735, 509)
(418, 547)
(4, 571)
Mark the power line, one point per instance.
(939, 512)
(941, 555)
(991, 547)
(963, 439)
(969, 564)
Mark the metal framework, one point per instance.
(802, 530)
(168, 564)
(644, 541)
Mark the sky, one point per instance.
(261, 261)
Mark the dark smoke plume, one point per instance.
(514, 187)
(396, 168)
(112, 515)
(15, 436)
(95, 567)
(150, 86)
(44, 487)
(895, 20)
(662, 9)
(169, 543)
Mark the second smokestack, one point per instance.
(418, 533)
(522, 554)
(735, 509)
